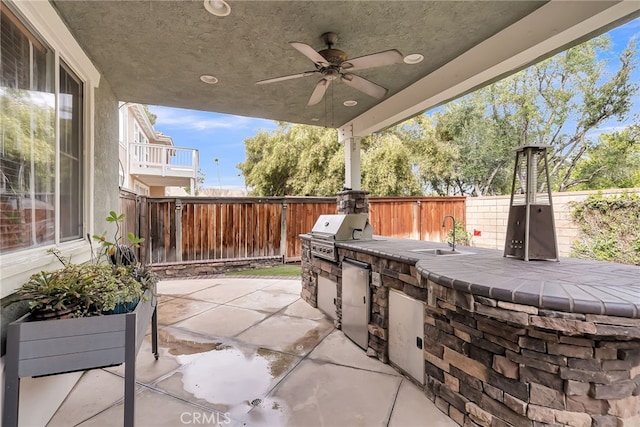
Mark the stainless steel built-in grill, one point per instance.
(330, 229)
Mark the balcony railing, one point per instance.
(163, 160)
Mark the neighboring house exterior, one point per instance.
(149, 162)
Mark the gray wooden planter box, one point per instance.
(48, 347)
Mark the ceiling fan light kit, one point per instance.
(217, 7)
(333, 64)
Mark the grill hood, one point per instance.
(343, 227)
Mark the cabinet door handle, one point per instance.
(364, 300)
(419, 342)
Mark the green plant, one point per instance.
(113, 278)
(609, 228)
(463, 237)
(116, 250)
(55, 292)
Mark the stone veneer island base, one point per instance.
(507, 342)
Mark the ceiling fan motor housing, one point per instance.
(333, 56)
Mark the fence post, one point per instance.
(416, 233)
(178, 215)
(143, 229)
(283, 231)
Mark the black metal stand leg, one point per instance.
(154, 332)
(130, 370)
(11, 380)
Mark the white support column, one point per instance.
(352, 175)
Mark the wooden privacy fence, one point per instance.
(198, 229)
(202, 229)
(415, 217)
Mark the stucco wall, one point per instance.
(105, 173)
(488, 215)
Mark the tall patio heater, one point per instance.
(531, 234)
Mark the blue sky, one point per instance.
(221, 136)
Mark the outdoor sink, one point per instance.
(439, 252)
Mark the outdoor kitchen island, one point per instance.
(500, 341)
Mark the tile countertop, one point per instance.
(571, 285)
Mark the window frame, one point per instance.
(44, 23)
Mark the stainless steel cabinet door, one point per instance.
(406, 332)
(355, 302)
(327, 294)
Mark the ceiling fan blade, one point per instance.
(318, 92)
(364, 85)
(292, 76)
(310, 53)
(379, 59)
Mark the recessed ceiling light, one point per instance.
(350, 103)
(209, 79)
(217, 7)
(413, 58)
(315, 119)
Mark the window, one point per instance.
(70, 122)
(141, 153)
(29, 190)
(138, 136)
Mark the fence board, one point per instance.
(128, 206)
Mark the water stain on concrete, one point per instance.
(177, 309)
(306, 342)
(178, 347)
(279, 363)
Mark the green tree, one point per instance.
(433, 160)
(294, 160)
(320, 167)
(483, 139)
(555, 102)
(152, 117)
(27, 141)
(614, 162)
(387, 168)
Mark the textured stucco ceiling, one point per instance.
(154, 51)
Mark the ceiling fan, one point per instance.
(334, 64)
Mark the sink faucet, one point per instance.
(453, 245)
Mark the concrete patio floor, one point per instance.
(249, 352)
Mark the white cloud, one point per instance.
(186, 119)
(595, 133)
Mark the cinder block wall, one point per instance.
(488, 215)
